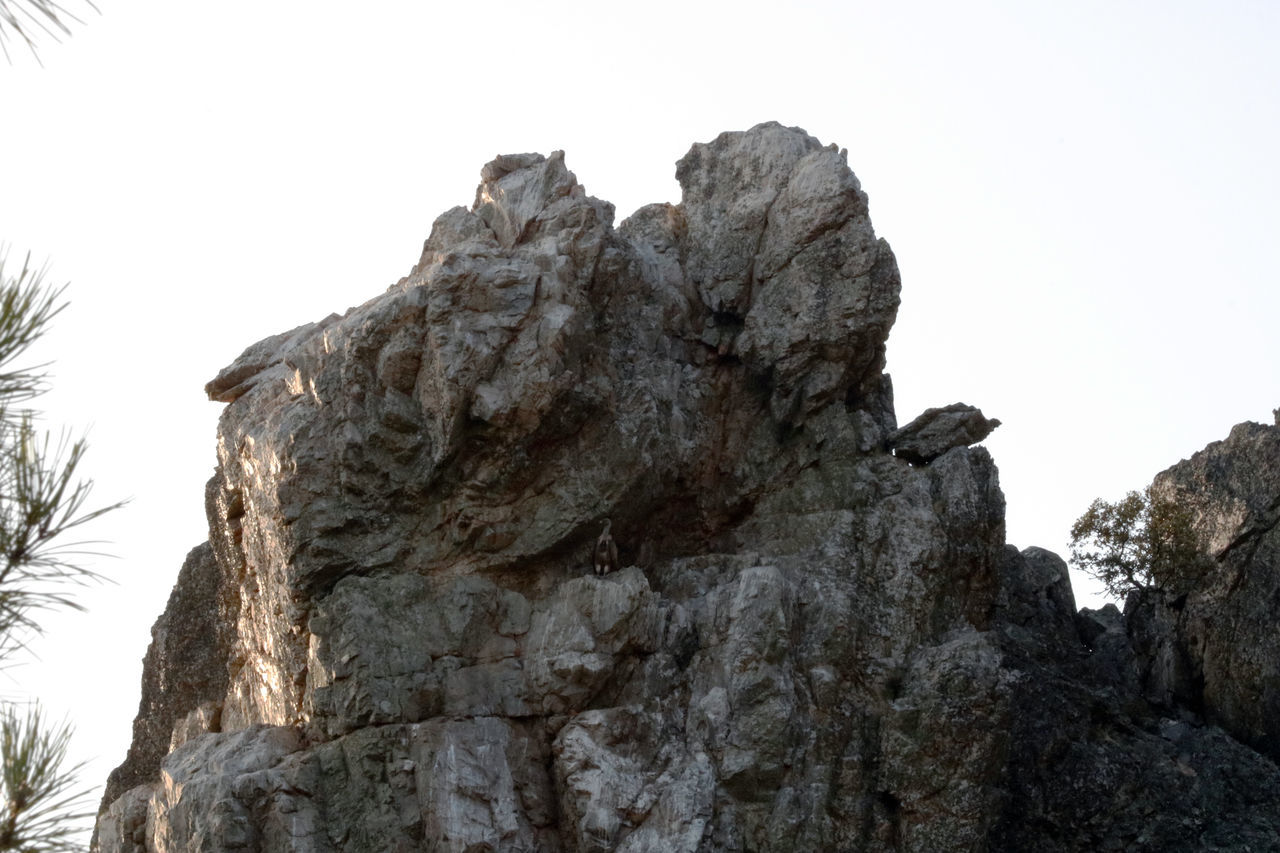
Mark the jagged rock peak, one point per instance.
(394, 638)
(1211, 643)
(536, 371)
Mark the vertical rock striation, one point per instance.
(813, 643)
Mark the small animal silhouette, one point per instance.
(606, 554)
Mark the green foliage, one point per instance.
(42, 498)
(41, 495)
(42, 809)
(1143, 541)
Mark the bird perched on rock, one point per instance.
(606, 557)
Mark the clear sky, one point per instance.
(1082, 198)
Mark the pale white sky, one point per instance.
(1082, 198)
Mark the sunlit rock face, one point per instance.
(812, 643)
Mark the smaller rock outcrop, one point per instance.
(185, 669)
(1091, 764)
(939, 430)
(1212, 644)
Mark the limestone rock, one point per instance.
(769, 215)
(1037, 604)
(122, 826)
(208, 788)
(1112, 660)
(1084, 773)
(938, 430)
(1092, 765)
(1213, 645)
(185, 671)
(394, 640)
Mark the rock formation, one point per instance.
(938, 430)
(394, 639)
(1213, 645)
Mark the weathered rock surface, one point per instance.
(1092, 765)
(185, 671)
(938, 430)
(813, 644)
(1214, 645)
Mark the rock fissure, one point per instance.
(394, 639)
(1251, 537)
(823, 230)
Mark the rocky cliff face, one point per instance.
(1214, 645)
(393, 639)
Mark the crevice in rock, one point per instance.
(789, 658)
(1248, 540)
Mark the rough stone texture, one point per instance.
(938, 430)
(1213, 646)
(1091, 764)
(813, 644)
(122, 825)
(185, 669)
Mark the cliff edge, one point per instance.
(818, 639)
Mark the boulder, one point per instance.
(938, 430)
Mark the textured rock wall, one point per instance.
(185, 670)
(813, 643)
(1092, 765)
(1213, 646)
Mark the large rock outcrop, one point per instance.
(813, 644)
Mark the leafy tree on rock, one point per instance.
(1143, 541)
(42, 499)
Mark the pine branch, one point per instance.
(42, 497)
(28, 19)
(27, 307)
(40, 807)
